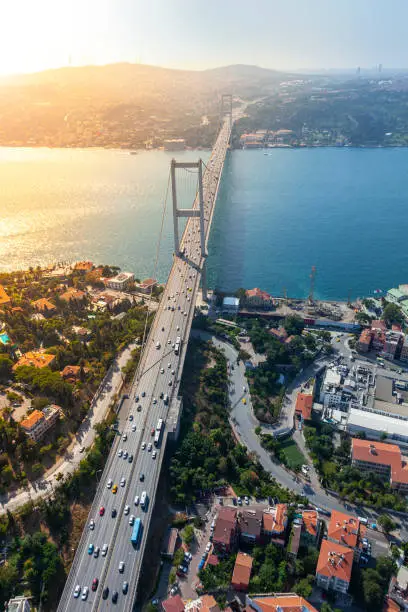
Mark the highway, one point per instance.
(158, 374)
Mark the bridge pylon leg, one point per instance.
(204, 282)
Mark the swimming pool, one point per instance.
(4, 338)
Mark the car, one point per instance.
(91, 524)
(188, 556)
(130, 417)
(172, 372)
(81, 450)
(141, 477)
(154, 455)
(95, 583)
(115, 596)
(170, 383)
(131, 520)
(246, 500)
(137, 500)
(85, 592)
(114, 513)
(244, 389)
(234, 501)
(101, 511)
(125, 454)
(139, 407)
(221, 501)
(143, 393)
(152, 431)
(130, 459)
(104, 550)
(169, 341)
(122, 481)
(154, 401)
(158, 345)
(143, 445)
(96, 552)
(125, 587)
(161, 370)
(120, 452)
(124, 437)
(110, 482)
(239, 500)
(169, 365)
(105, 593)
(126, 510)
(178, 327)
(244, 400)
(121, 567)
(182, 568)
(133, 427)
(185, 314)
(136, 398)
(208, 547)
(161, 395)
(149, 447)
(77, 591)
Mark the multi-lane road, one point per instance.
(158, 375)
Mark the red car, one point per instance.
(152, 432)
(95, 583)
(101, 511)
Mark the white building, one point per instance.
(120, 282)
(230, 304)
(18, 604)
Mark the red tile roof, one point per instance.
(289, 602)
(343, 528)
(173, 604)
(335, 560)
(225, 525)
(304, 405)
(32, 419)
(275, 521)
(263, 295)
(382, 454)
(242, 571)
(310, 521)
(4, 298)
(42, 305)
(213, 560)
(378, 324)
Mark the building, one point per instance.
(230, 304)
(398, 589)
(72, 373)
(44, 306)
(170, 543)
(256, 298)
(404, 350)
(38, 359)
(364, 342)
(392, 344)
(173, 604)
(382, 459)
(395, 296)
(304, 405)
(19, 604)
(294, 539)
(120, 282)
(275, 521)
(72, 295)
(83, 333)
(311, 528)
(286, 602)
(333, 571)
(225, 531)
(83, 266)
(345, 529)
(242, 572)
(174, 144)
(147, 285)
(4, 298)
(40, 421)
(251, 526)
(205, 603)
(281, 334)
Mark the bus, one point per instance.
(158, 432)
(177, 345)
(137, 528)
(159, 425)
(143, 500)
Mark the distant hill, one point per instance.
(121, 104)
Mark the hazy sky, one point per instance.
(282, 34)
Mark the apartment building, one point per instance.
(120, 282)
(384, 460)
(280, 602)
(333, 571)
(275, 522)
(256, 298)
(364, 342)
(40, 421)
(242, 572)
(250, 526)
(392, 344)
(404, 350)
(225, 531)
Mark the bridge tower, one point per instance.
(226, 108)
(189, 212)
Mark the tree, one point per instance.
(6, 368)
(373, 595)
(392, 314)
(386, 523)
(188, 534)
(304, 587)
(293, 325)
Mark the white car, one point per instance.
(126, 510)
(133, 427)
(161, 370)
(169, 365)
(143, 445)
(120, 452)
(104, 550)
(149, 447)
(91, 524)
(154, 400)
(122, 481)
(169, 341)
(77, 591)
(124, 437)
(246, 498)
(85, 592)
(208, 547)
(110, 483)
(154, 455)
(137, 499)
(121, 567)
(125, 454)
(131, 520)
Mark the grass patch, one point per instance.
(293, 457)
